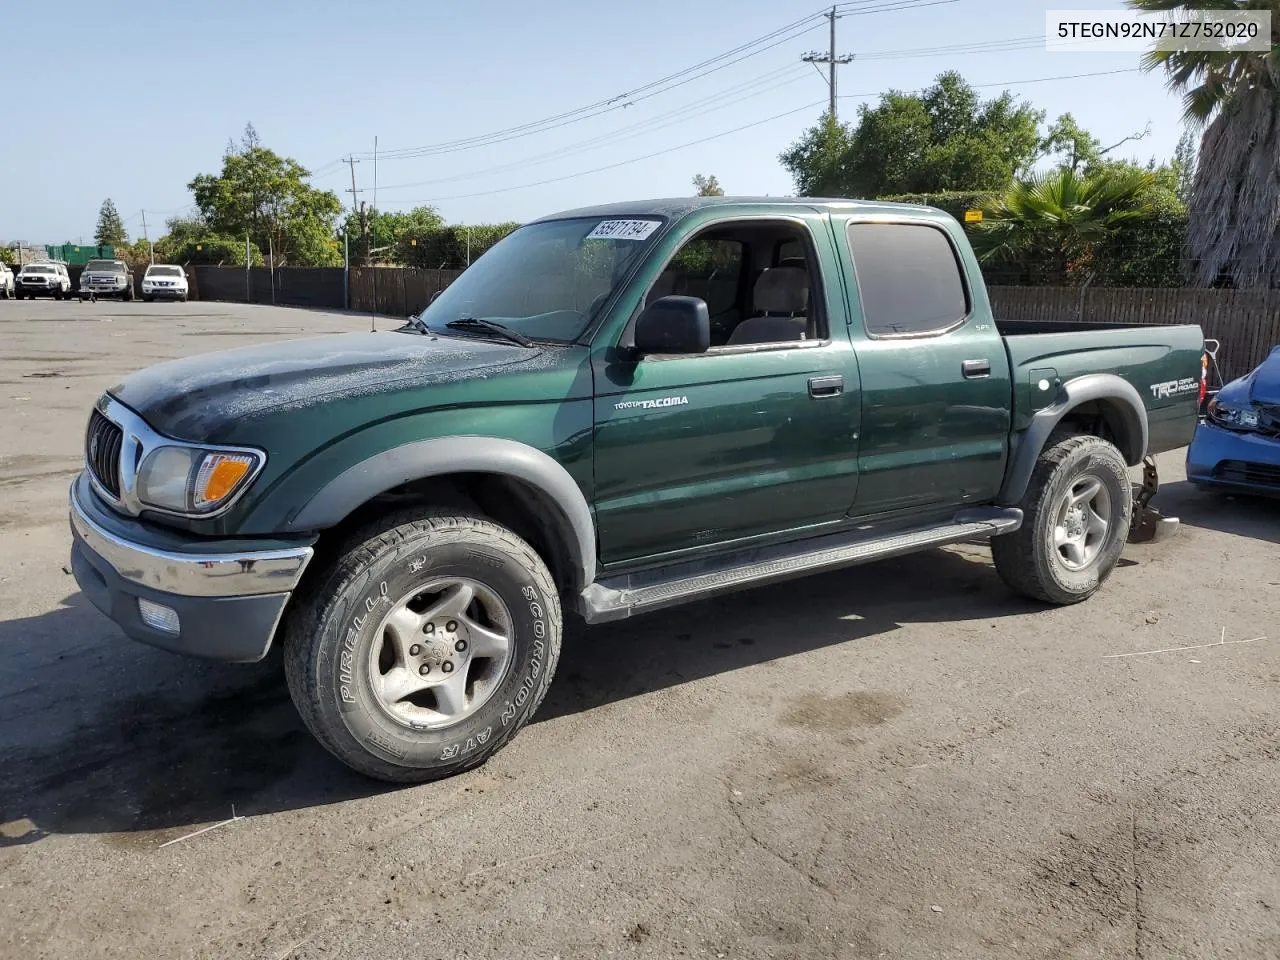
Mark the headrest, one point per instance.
(782, 290)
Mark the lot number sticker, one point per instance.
(622, 230)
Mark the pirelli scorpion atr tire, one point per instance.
(423, 649)
(1077, 510)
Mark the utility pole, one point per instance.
(151, 248)
(831, 60)
(364, 218)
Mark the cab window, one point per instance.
(908, 278)
(754, 296)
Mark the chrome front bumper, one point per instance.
(227, 605)
(247, 573)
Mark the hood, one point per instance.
(1264, 382)
(203, 398)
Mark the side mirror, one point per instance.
(674, 325)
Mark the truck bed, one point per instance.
(1161, 362)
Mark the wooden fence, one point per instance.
(396, 291)
(392, 291)
(1247, 322)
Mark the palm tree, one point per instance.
(1233, 236)
(1050, 224)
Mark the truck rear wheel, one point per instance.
(1077, 511)
(423, 649)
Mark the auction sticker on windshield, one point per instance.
(623, 229)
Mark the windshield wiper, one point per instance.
(489, 326)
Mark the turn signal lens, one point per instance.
(219, 475)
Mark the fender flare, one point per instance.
(423, 459)
(1124, 400)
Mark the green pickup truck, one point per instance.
(614, 410)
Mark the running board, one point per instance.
(624, 596)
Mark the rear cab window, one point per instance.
(909, 279)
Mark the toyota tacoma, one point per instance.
(614, 410)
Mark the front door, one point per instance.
(743, 440)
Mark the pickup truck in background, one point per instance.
(106, 278)
(614, 410)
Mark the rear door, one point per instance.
(741, 441)
(935, 376)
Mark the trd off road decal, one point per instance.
(1174, 388)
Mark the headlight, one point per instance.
(1241, 418)
(195, 481)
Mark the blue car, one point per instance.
(1237, 445)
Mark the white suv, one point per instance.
(47, 278)
(6, 281)
(164, 280)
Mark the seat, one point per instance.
(665, 286)
(781, 300)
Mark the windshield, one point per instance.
(546, 280)
(163, 272)
(37, 270)
(104, 266)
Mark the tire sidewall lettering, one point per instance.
(394, 575)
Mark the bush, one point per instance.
(954, 202)
(1146, 253)
(209, 251)
(446, 247)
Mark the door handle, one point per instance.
(976, 369)
(826, 386)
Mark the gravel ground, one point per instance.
(901, 760)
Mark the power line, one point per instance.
(673, 118)
(1014, 83)
(654, 88)
(623, 163)
(748, 126)
(620, 102)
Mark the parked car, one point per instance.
(1237, 444)
(614, 410)
(165, 281)
(106, 278)
(6, 281)
(43, 278)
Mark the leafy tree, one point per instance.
(1184, 164)
(1051, 225)
(391, 231)
(1233, 236)
(448, 247)
(8, 256)
(942, 139)
(1077, 149)
(110, 229)
(267, 197)
(191, 240)
(1074, 147)
(817, 161)
(707, 186)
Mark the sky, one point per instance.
(150, 98)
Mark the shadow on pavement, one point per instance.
(102, 735)
(1243, 516)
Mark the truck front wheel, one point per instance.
(422, 649)
(1077, 510)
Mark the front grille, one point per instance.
(1241, 471)
(102, 452)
